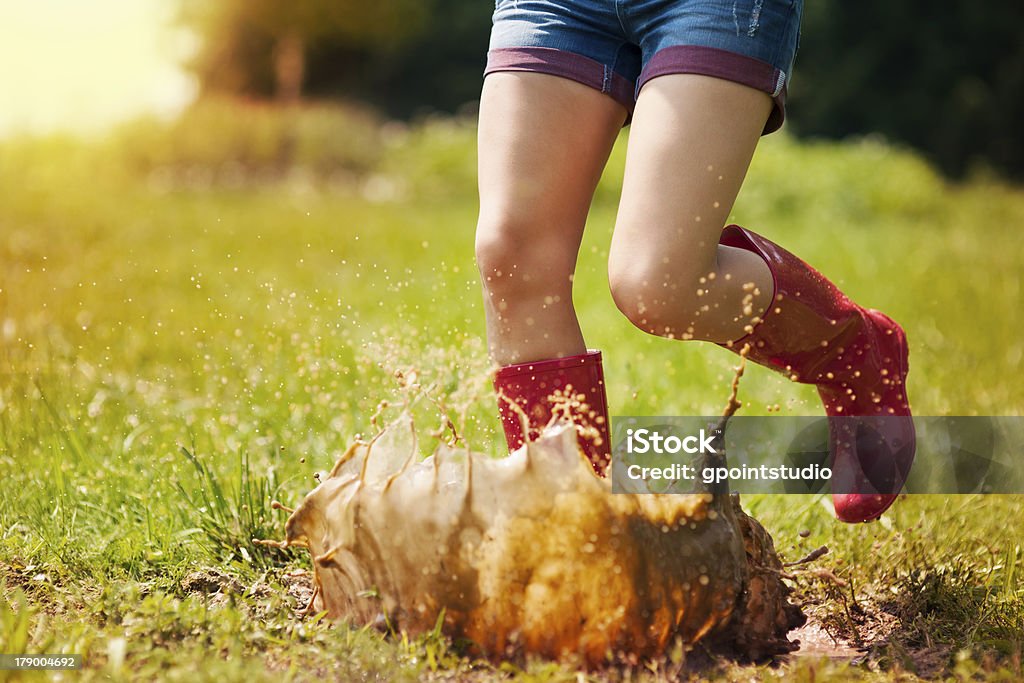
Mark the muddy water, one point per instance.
(534, 554)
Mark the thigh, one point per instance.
(543, 142)
(751, 42)
(691, 141)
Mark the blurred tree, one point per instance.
(438, 67)
(947, 79)
(260, 47)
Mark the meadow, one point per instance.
(198, 316)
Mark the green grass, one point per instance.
(156, 302)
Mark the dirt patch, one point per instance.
(45, 588)
(301, 588)
(211, 582)
(869, 631)
(862, 624)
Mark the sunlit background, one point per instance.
(83, 66)
(259, 244)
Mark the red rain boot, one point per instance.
(537, 387)
(857, 357)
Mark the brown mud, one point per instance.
(533, 555)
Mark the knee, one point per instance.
(638, 293)
(657, 295)
(495, 252)
(516, 258)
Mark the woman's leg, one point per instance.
(543, 142)
(691, 141)
(675, 272)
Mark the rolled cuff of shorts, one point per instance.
(731, 66)
(547, 60)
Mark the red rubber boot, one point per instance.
(857, 357)
(574, 386)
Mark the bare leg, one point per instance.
(543, 141)
(691, 142)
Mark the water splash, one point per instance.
(533, 554)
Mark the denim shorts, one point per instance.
(616, 46)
